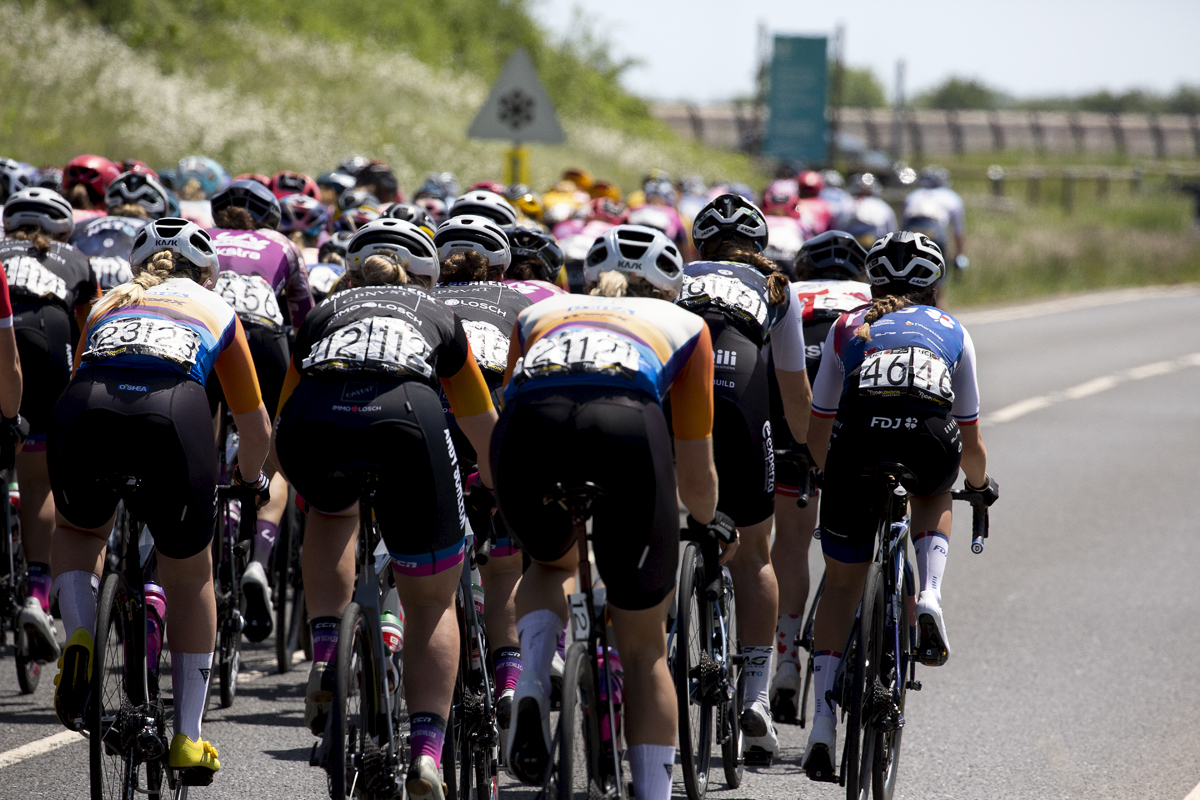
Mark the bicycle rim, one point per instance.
(730, 712)
(694, 641)
(861, 732)
(575, 752)
(887, 754)
(357, 685)
(108, 769)
(281, 567)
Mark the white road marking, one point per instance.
(1041, 308)
(1089, 388)
(1194, 794)
(25, 751)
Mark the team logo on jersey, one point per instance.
(359, 392)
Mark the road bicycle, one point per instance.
(14, 588)
(287, 589)
(130, 710)
(881, 653)
(706, 663)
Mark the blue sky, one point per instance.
(704, 50)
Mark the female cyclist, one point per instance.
(744, 298)
(136, 407)
(897, 383)
(362, 389)
(133, 199)
(257, 264)
(830, 269)
(585, 382)
(50, 285)
(14, 428)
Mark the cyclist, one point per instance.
(138, 408)
(15, 428)
(482, 203)
(488, 310)
(304, 220)
(527, 203)
(744, 298)
(585, 379)
(786, 231)
(412, 213)
(50, 285)
(830, 268)
(935, 210)
(815, 213)
(395, 422)
(378, 179)
(84, 182)
(925, 419)
(286, 182)
(537, 264)
(14, 176)
(873, 217)
(133, 199)
(840, 202)
(258, 263)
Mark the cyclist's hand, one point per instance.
(990, 491)
(723, 529)
(14, 430)
(481, 502)
(261, 486)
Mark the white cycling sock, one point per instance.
(539, 631)
(787, 628)
(77, 591)
(825, 664)
(189, 681)
(756, 666)
(651, 767)
(931, 548)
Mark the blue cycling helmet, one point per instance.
(211, 175)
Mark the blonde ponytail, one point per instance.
(611, 284)
(158, 268)
(382, 269)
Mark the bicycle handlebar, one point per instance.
(979, 517)
(808, 483)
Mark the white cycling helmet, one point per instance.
(180, 236)
(482, 203)
(905, 261)
(45, 208)
(639, 251)
(138, 188)
(459, 234)
(396, 237)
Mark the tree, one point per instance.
(860, 88)
(961, 93)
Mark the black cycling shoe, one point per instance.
(529, 736)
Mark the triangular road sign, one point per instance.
(518, 108)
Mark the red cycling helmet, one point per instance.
(94, 172)
(265, 180)
(811, 183)
(287, 182)
(137, 167)
(489, 186)
(606, 210)
(781, 197)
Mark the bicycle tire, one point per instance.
(290, 617)
(806, 638)
(450, 778)
(693, 643)
(352, 727)
(229, 637)
(108, 767)
(29, 672)
(860, 733)
(886, 764)
(579, 732)
(729, 713)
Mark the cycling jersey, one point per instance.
(536, 291)
(255, 267)
(6, 312)
(61, 277)
(108, 241)
(659, 217)
(623, 342)
(821, 303)
(488, 311)
(178, 327)
(942, 205)
(785, 236)
(875, 214)
(815, 214)
(918, 354)
(841, 206)
(322, 277)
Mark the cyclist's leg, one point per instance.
(789, 557)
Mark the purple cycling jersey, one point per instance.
(266, 260)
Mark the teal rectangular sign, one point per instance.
(796, 99)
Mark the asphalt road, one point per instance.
(1076, 635)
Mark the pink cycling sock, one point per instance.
(324, 637)
(264, 542)
(508, 668)
(428, 736)
(39, 583)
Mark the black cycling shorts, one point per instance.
(43, 334)
(269, 350)
(928, 442)
(114, 423)
(619, 440)
(395, 430)
(743, 448)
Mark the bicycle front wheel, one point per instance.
(356, 761)
(113, 772)
(578, 728)
(695, 674)
(729, 712)
(861, 732)
(892, 678)
(288, 591)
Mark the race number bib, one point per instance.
(580, 351)
(727, 293)
(111, 271)
(906, 371)
(488, 343)
(376, 344)
(27, 276)
(251, 298)
(145, 336)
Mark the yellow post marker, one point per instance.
(516, 161)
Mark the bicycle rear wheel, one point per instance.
(861, 733)
(112, 771)
(695, 674)
(578, 728)
(729, 712)
(357, 763)
(228, 593)
(892, 680)
(288, 590)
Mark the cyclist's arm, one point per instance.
(469, 397)
(965, 384)
(296, 289)
(235, 368)
(692, 419)
(827, 393)
(787, 348)
(10, 363)
(974, 455)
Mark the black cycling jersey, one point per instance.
(60, 277)
(382, 331)
(736, 291)
(489, 311)
(269, 351)
(108, 241)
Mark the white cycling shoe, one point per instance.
(759, 741)
(785, 692)
(933, 648)
(528, 752)
(258, 602)
(38, 627)
(818, 760)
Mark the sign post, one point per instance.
(796, 99)
(518, 110)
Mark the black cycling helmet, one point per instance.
(335, 244)
(904, 262)
(536, 249)
(729, 217)
(252, 196)
(833, 255)
(414, 214)
(356, 198)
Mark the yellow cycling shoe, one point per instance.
(196, 761)
(73, 683)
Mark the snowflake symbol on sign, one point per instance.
(516, 109)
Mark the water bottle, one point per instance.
(392, 626)
(156, 617)
(610, 660)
